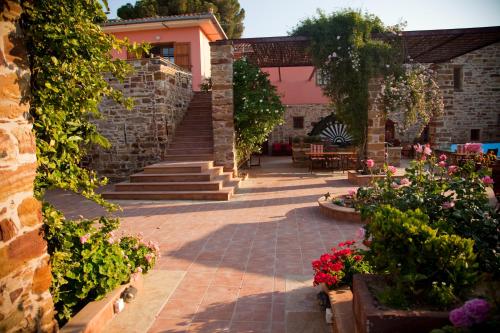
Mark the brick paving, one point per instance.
(239, 255)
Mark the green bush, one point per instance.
(257, 108)
(88, 260)
(425, 266)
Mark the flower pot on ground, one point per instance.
(339, 209)
(370, 317)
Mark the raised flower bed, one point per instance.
(369, 317)
(338, 212)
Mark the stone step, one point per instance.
(178, 167)
(190, 151)
(192, 144)
(177, 177)
(223, 194)
(189, 157)
(193, 138)
(196, 127)
(169, 186)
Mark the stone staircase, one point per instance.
(188, 171)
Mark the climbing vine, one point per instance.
(69, 57)
(257, 108)
(348, 49)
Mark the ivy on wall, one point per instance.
(257, 108)
(69, 56)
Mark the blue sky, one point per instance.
(276, 17)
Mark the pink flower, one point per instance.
(352, 192)
(487, 180)
(138, 270)
(448, 205)
(370, 163)
(427, 150)
(392, 169)
(452, 169)
(442, 164)
(404, 181)
(477, 309)
(84, 239)
(423, 158)
(443, 157)
(418, 148)
(394, 185)
(459, 318)
(361, 233)
(149, 257)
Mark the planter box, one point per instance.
(363, 180)
(95, 315)
(337, 212)
(341, 302)
(369, 318)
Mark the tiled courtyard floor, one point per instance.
(248, 261)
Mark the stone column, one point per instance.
(221, 53)
(375, 148)
(25, 302)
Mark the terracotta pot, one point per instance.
(369, 318)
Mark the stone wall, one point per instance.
(221, 54)
(139, 137)
(312, 114)
(25, 302)
(477, 105)
(375, 147)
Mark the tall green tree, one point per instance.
(228, 12)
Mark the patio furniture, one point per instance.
(316, 155)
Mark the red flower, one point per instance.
(358, 258)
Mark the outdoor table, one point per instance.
(342, 155)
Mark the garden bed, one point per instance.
(97, 314)
(371, 318)
(328, 208)
(363, 180)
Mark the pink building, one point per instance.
(182, 39)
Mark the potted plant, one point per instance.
(340, 207)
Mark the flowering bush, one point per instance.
(425, 265)
(338, 267)
(453, 198)
(476, 315)
(88, 259)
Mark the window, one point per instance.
(458, 78)
(298, 122)
(475, 134)
(320, 79)
(165, 51)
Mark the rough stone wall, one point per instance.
(25, 302)
(221, 54)
(312, 113)
(139, 137)
(375, 148)
(477, 105)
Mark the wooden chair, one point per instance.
(316, 155)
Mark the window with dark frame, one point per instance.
(475, 134)
(165, 51)
(458, 78)
(298, 122)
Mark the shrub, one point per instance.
(257, 108)
(454, 199)
(337, 268)
(424, 264)
(88, 260)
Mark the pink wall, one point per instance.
(295, 86)
(194, 35)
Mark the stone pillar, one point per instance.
(221, 53)
(375, 148)
(25, 302)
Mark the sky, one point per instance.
(266, 18)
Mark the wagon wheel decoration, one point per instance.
(331, 129)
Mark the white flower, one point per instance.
(338, 37)
(334, 55)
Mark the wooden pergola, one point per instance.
(427, 46)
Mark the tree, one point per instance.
(257, 108)
(228, 12)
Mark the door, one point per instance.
(182, 55)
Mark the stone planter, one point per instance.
(328, 208)
(96, 315)
(341, 302)
(369, 318)
(363, 180)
